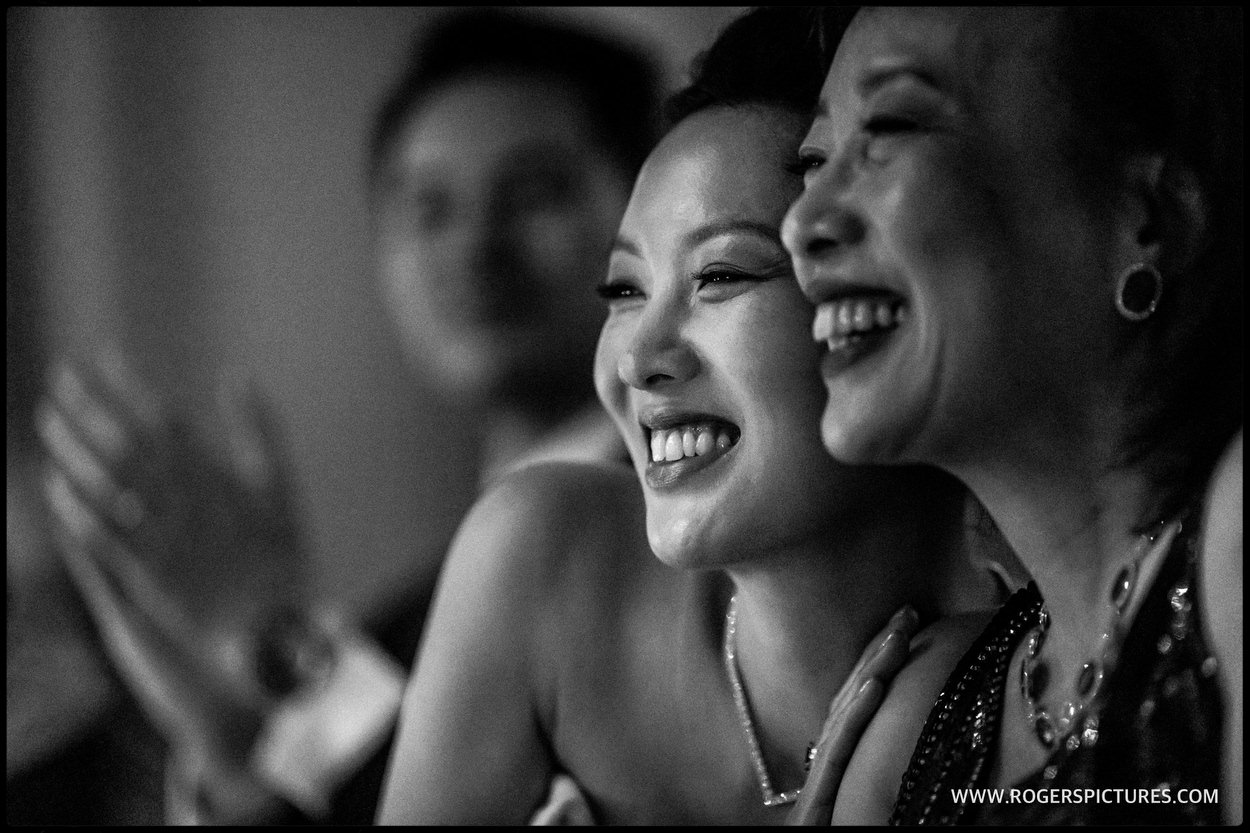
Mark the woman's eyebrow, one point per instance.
(706, 232)
(625, 245)
(875, 79)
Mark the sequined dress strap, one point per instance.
(962, 728)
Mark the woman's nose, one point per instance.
(820, 223)
(658, 354)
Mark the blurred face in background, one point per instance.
(497, 205)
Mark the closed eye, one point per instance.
(889, 124)
(809, 160)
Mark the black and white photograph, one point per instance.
(639, 415)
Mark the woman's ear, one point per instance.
(1168, 212)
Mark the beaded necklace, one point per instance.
(772, 798)
(1076, 720)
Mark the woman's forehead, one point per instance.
(722, 160)
(948, 41)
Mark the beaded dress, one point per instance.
(1158, 728)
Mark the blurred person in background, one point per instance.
(500, 167)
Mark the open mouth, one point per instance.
(854, 325)
(681, 448)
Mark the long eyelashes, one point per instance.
(888, 124)
(809, 160)
(722, 277)
(617, 290)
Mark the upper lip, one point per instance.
(656, 419)
(822, 287)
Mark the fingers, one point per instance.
(893, 643)
(849, 715)
(77, 532)
(108, 574)
(843, 728)
(92, 475)
(108, 404)
(254, 436)
(151, 643)
(100, 431)
(100, 425)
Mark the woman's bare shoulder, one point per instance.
(1221, 603)
(535, 515)
(557, 547)
(1220, 570)
(518, 591)
(1222, 520)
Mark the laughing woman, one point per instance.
(689, 688)
(1051, 201)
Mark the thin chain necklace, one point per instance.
(771, 797)
(1075, 722)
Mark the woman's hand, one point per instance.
(177, 554)
(849, 714)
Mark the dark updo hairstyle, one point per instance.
(1169, 80)
(774, 55)
(618, 84)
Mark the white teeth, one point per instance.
(705, 442)
(863, 319)
(844, 317)
(883, 315)
(835, 321)
(657, 446)
(671, 444)
(823, 323)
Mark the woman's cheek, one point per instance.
(608, 385)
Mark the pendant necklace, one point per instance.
(1075, 722)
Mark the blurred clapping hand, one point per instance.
(189, 560)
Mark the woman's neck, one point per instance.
(805, 616)
(1074, 527)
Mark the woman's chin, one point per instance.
(675, 546)
(857, 440)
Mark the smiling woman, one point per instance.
(1053, 199)
(695, 695)
(705, 343)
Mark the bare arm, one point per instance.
(470, 748)
(1221, 589)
